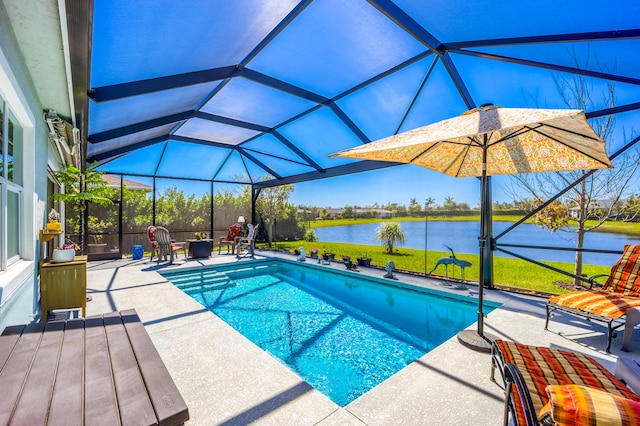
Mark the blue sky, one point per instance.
(392, 185)
(330, 47)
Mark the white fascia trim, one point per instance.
(64, 34)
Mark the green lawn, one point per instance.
(507, 272)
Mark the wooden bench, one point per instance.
(99, 370)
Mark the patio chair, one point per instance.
(610, 305)
(539, 382)
(248, 242)
(233, 236)
(167, 246)
(151, 234)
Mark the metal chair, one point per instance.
(248, 242)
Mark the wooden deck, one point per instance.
(100, 370)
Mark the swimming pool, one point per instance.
(342, 332)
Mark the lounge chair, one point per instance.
(231, 240)
(248, 242)
(151, 234)
(545, 378)
(167, 246)
(619, 294)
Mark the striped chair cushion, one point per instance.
(234, 232)
(603, 303)
(542, 366)
(152, 237)
(624, 277)
(580, 405)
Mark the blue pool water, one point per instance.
(341, 332)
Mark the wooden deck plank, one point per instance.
(100, 404)
(66, 400)
(8, 340)
(168, 403)
(17, 368)
(97, 371)
(133, 399)
(33, 406)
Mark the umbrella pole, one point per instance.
(486, 274)
(479, 340)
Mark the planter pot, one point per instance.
(97, 248)
(54, 226)
(63, 255)
(364, 261)
(314, 255)
(328, 256)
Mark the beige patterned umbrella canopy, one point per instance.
(490, 141)
(516, 140)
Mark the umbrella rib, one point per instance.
(573, 133)
(465, 151)
(519, 132)
(433, 147)
(573, 147)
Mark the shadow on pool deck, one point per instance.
(227, 380)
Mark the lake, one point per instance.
(462, 237)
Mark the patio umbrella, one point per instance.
(490, 141)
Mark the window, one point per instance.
(11, 177)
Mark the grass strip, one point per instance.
(509, 272)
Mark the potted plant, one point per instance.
(82, 187)
(54, 224)
(364, 260)
(328, 255)
(96, 229)
(314, 253)
(66, 252)
(200, 235)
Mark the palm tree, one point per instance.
(390, 234)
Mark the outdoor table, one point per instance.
(99, 370)
(200, 248)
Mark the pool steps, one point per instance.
(209, 280)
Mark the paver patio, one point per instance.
(226, 379)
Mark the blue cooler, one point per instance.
(137, 252)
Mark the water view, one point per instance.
(462, 237)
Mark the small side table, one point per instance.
(63, 286)
(628, 370)
(200, 248)
(137, 252)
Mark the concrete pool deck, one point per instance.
(227, 380)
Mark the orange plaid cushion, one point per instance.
(542, 366)
(624, 276)
(603, 303)
(580, 405)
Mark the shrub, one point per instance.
(310, 236)
(390, 234)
